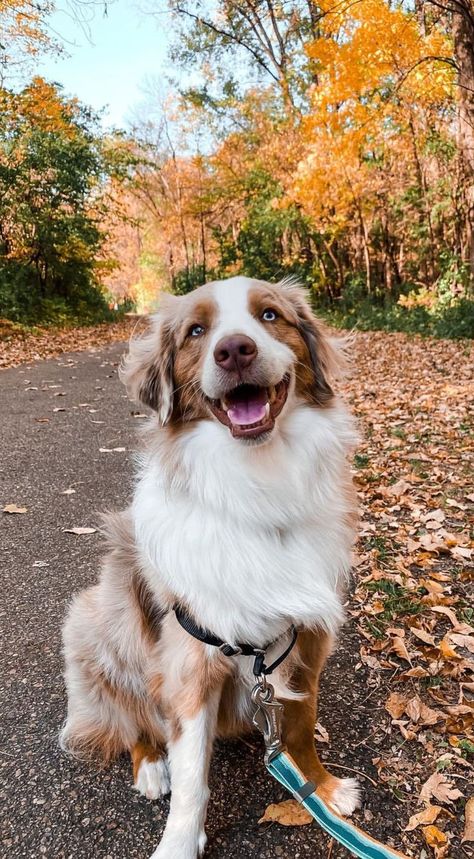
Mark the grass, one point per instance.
(396, 600)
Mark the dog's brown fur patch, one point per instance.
(144, 750)
(296, 326)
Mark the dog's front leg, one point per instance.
(193, 727)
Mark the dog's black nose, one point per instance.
(236, 352)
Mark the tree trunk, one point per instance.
(463, 35)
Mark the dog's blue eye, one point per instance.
(196, 331)
(269, 315)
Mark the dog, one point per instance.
(243, 516)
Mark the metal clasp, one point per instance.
(268, 717)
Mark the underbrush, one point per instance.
(454, 320)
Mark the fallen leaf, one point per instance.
(419, 713)
(399, 647)
(447, 651)
(439, 786)
(68, 492)
(434, 837)
(468, 834)
(80, 530)
(466, 641)
(442, 609)
(460, 553)
(320, 734)
(399, 488)
(422, 635)
(428, 815)
(288, 813)
(13, 508)
(415, 672)
(395, 704)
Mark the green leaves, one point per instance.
(54, 164)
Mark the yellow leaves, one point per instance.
(287, 813)
(363, 106)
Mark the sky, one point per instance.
(109, 67)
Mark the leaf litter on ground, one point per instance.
(413, 601)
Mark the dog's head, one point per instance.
(238, 351)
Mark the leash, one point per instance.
(268, 719)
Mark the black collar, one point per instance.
(259, 667)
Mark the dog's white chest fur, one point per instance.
(252, 538)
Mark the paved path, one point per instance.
(56, 415)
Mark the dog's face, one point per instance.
(236, 351)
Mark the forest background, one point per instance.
(330, 141)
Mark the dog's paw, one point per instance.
(153, 778)
(345, 796)
(173, 846)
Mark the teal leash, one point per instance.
(268, 718)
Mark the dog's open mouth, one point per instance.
(250, 410)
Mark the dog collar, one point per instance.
(259, 667)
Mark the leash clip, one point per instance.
(268, 717)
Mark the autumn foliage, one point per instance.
(338, 159)
(329, 141)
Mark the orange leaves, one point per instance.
(363, 116)
(434, 837)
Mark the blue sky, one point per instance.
(111, 66)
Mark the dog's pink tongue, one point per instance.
(246, 413)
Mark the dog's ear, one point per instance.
(324, 361)
(147, 370)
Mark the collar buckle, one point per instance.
(229, 650)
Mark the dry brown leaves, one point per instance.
(287, 813)
(413, 603)
(14, 509)
(19, 347)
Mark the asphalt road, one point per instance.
(56, 415)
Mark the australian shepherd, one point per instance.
(244, 516)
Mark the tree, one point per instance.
(463, 35)
(53, 165)
(264, 38)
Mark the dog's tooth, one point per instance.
(267, 410)
(224, 406)
(272, 393)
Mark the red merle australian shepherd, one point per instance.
(243, 516)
